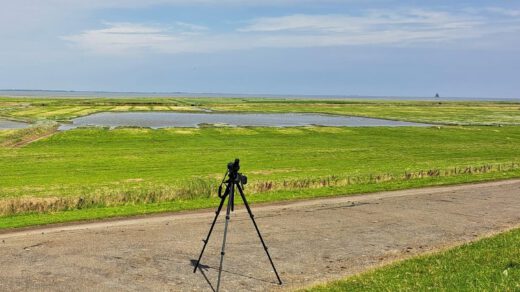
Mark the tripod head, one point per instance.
(234, 177)
(233, 168)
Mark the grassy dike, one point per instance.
(490, 264)
(98, 173)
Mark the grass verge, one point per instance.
(104, 212)
(490, 264)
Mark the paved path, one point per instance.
(310, 241)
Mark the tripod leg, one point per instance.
(222, 252)
(258, 231)
(211, 228)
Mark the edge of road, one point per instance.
(207, 213)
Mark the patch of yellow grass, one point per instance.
(290, 131)
(183, 108)
(88, 111)
(184, 131)
(160, 108)
(5, 132)
(126, 130)
(28, 111)
(234, 131)
(68, 111)
(134, 180)
(121, 108)
(330, 130)
(140, 108)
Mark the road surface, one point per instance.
(310, 241)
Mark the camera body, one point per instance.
(233, 168)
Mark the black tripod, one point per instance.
(235, 180)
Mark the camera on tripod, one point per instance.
(233, 168)
(235, 181)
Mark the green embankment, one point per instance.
(95, 173)
(491, 264)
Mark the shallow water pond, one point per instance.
(6, 125)
(170, 120)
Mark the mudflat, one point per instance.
(310, 241)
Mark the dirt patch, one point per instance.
(310, 241)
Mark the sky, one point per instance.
(313, 47)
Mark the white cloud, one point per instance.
(400, 27)
(375, 20)
(190, 26)
(494, 10)
(20, 16)
(118, 37)
(100, 4)
(140, 3)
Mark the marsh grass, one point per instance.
(110, 196)
(63, 109)
(95, 173)
(22, 137)
(199, 188)
(437, 112)
(336, 181)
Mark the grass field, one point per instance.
(48, 176)
(454, 113)
(31, 109)
(491, 264)
(94, 173)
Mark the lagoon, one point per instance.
(156, 120)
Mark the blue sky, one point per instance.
(370, 47)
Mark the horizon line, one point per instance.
(77, 93)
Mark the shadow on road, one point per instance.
(204, 268)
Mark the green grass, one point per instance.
(93, 173)
(491, 264)
(454, 113)
(180, 204)
(463, 113)
(37, 109)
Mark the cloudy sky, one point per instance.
(365, 47)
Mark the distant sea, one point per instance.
(109, 94)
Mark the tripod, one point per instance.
(235, 181)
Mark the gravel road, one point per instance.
(310, 241)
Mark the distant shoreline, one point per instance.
(109, 94)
